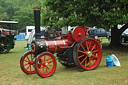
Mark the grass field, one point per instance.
(11, 74)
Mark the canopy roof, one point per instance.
(8, 22)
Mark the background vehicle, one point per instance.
(7, 37)
(28, 31)
(123, 37)
(97, 32)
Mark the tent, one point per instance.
(19, 37)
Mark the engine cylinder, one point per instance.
(54, 46)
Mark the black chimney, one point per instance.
(37, 23)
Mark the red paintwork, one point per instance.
(78, 33)
(70, 39)
(61, 45)
(99, 40)
(89, 63)
(6, 32)
(47, 66)
(64, 36)
(27, 63)
(33, 45)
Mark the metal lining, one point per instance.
(64, 43)
(55, 46)
(73, 32)
(36, 8)
(46, 45)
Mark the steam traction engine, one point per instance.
(73, 49)
(7, 40)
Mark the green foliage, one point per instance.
(4, 16)
(72, 13)
(101, 13)
(18, 10)
(116, 13)
(58, 13)
(24, 14)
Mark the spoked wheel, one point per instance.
(45, 64)
(87, 54)
(27, 63)
(5, 45)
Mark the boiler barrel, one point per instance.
(53, 46)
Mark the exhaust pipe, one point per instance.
(37, 23)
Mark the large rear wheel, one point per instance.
(45, 64)
(87, 54)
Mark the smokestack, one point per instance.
(37, 23)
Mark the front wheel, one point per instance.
(87, 54)
(27, 63)
(45, 64)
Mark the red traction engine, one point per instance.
(72, 49)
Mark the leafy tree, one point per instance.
(18, 10)
(7, 8)
(100, 13)
(72, 12)
(115, 12)
(24, 14)
(4, 16)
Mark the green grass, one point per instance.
(11, 74)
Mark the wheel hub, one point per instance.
(45, 64)
(2, 45)
(89, 54)
(31, 62)
(80, 34)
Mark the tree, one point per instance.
(4, 16)
(114, 13)
(7, 8)
(72, 12)
(24, 13)
(100, 13)
(18, 10)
